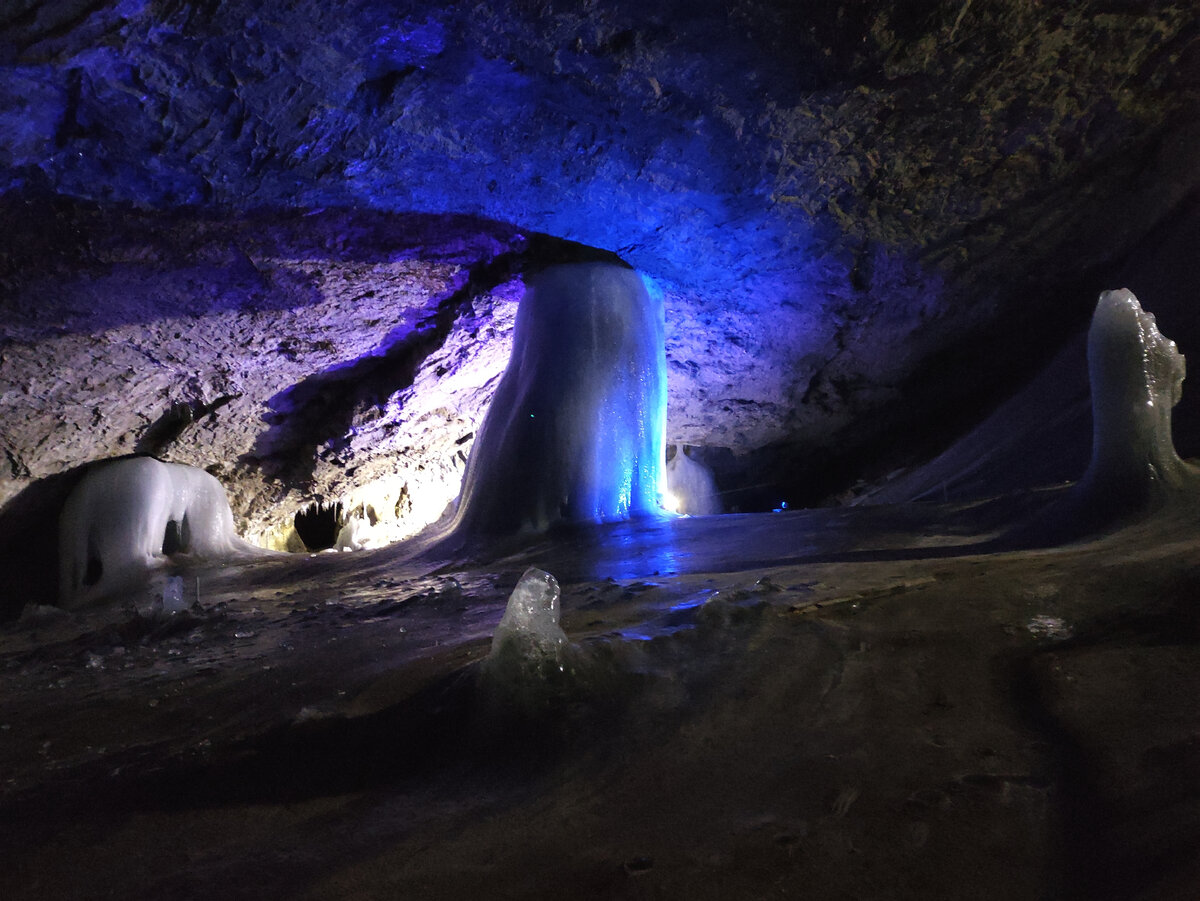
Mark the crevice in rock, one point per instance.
(376, 93)
(19, 469)
(319, 411)
(318, 525)
(165, 430)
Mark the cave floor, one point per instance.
(846, 704)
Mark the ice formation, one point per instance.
(690, 486)
(353, 535)
(529, 642)
(1136, 378)
(125, 517)
(575, 430)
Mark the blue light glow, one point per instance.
(575, 430)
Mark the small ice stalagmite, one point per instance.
(529, 644)
(353, 536)
(126, 517)
(690, 486)
(1136, 378)
(575, 430)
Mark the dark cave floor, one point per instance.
(855, 703)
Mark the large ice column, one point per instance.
(1136, 378)
(125, 517)
(575, 430)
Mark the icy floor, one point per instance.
(872, 702)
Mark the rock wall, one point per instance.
(290, 357)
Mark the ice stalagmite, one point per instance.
(1136, 378)
(529, 635)
(533, 669)
(575, 430)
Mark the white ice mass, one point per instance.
(529, 641)
(690, 486)
(1136, 378)
(575, 430)
(125, 517)
(353, 536)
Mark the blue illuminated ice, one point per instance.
(575, 430)
(124, 517)
(690, 487)
(1136, 378)
(529, 642)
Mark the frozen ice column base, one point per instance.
(1136, 378)
(528, 645)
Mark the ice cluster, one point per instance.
(126, 517)
(575, 430)
(690, 486)
(1136, 378)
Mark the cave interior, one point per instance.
(916, 641)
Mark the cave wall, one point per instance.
(296, 220)
(289, 357)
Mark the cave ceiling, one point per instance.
(302, 226)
